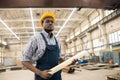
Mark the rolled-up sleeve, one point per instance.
(29, 50)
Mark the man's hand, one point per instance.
(61, 60)
(74, 61)
(45, 74)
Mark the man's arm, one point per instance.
(44, 74)
(27, 59)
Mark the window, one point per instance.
(85, 27)
(97, 19)
(114, 37)
(118, 35)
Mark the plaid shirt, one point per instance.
(36, 47)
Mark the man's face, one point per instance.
(48, 24)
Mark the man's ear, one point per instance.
(42, 23)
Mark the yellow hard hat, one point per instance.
(47, 15)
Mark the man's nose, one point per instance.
(50, 22)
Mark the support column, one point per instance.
(0, 54)
(90, 41)
(69, 47)
(75, 50)
(81, 44)
(74, 42)
(1, 51)
(101, 12)
(63, 47)
(104, 35)
(21, 46)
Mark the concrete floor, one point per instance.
(78, 75)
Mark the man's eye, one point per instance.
(49, 21)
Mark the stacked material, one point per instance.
(68, 69)
(115, 76)
(99, 66)
(2, 69)
(71, 68)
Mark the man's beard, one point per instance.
(48, 30)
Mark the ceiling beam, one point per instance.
(20, 9)
(106, 4)
(37, 20)
(37, 27)
(29, 35)
(14, 43)
(25, 32)
(25, 41)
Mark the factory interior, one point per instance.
(81, 25)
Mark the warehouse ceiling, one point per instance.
(20, 22)
(15, 14)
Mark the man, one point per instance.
(44, 49)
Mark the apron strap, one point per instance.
(44, 38)
(56, 41)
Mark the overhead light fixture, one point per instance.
(9, 28)
(66, 21)
(33, 25)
